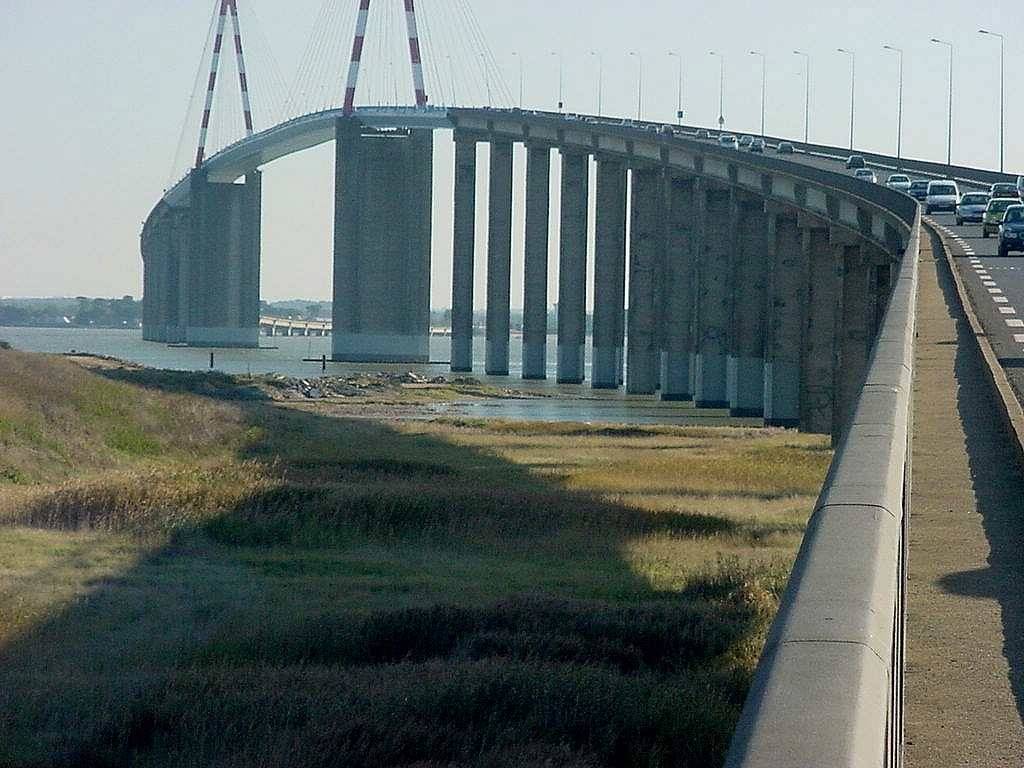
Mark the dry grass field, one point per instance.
(190, 578)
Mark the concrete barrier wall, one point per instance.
(828, 689)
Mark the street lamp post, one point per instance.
(600, 79)
(518, 56)
(764, 83)
(1002, 95)
(561, 80)
(853, 90)
(639, 84)
(679, 101)
(899, 109)
(807, 95)
(721, 88)
(949, 123)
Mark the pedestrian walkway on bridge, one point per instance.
(965, 676)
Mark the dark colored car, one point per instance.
(856, 161)
(703, 134)
(785, 148)
(1003, 190)
(1011, 231)
(757, 145)
(919, 189)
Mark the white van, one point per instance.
(942, 196)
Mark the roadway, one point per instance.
(996, 289)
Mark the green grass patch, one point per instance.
(190, 575)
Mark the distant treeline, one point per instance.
(79, 312)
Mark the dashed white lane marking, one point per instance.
(1000, 300)
(1015, 323)
(1008, 310)
(995, 290)
(989, 283)
(1018, 338)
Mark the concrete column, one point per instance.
(382, 245)
(646, 270)
(535, 279)
(857, 330)
(745, 374)
(572, 268)
(463, 253)
(714, 301)
(609, 275)
(222, 290)
(684, 241)
(784, 344)
(818, 391)
(499, 259)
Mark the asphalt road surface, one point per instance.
(996, 289)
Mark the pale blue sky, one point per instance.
(95, 94)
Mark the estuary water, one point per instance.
(287, 355)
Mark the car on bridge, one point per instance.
(942, 196)
(729, 142)
(898, 181)
(1004, 189)
(1011, 231)
(919, 189)
(702, 133)
(865, 174)
(972, 207)
(856, 161)
(746, 141)
(758, 146)
(785, 148)
(994, 215)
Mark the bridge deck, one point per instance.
(965, 681)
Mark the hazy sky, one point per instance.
(95, 94)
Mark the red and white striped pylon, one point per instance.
(414, 54)
(358, 43)
(227, 7)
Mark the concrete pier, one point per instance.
(684, 241)
(646, 270)
(823, 315)
(463, 253)
(745, 373)
(714, 301)
(166, 250)
(609, 275)
(788, 289)
(535, 277)
(382, 245)
(222, 270)
(499, 259)
(572, 268)
(856, 331)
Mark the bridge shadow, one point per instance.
(998, 485)
(373, 597)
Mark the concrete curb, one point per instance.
(1010, 409)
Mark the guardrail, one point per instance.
(828, 690)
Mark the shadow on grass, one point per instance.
(373, 598)
(998, 487)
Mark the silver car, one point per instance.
(972, 207)
(942, 196)
(898, 181)
(729, 142)
(865, 174)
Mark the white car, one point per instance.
(942, 196)
(866, 174)
(898, 181)
(729, 142)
